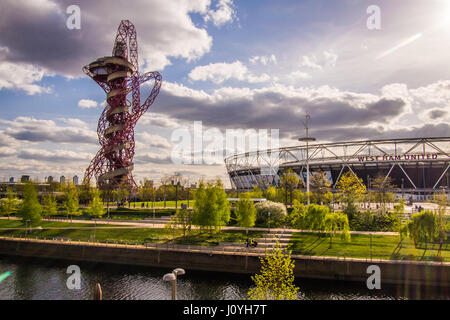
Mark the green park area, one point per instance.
(120, 234)
(361, 246)
(420, 236)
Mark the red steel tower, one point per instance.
(118, 75)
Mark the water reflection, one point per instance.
(46, 280)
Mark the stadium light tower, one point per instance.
(307, 139)
(118, 75)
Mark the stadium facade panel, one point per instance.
(417, 166)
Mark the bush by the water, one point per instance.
(374, 221)
(277, 213)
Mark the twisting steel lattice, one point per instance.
(118, 75)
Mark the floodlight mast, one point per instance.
(307, 139)
(118, 75)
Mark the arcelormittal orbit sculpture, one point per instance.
(119, 76)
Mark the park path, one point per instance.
(161, 223)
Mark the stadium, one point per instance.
(418, 167)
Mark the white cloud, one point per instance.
(330, 58)
(264, 60)
(22, 76)
(35, 130)
(87, 103)
(298, 75)
(219, 72)
(310, 62)
(153, 140)
(165, 30)
(225, 13)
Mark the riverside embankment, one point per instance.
(217, 259)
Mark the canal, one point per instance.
(45, 279)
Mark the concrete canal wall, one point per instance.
(392, 272)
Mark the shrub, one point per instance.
(374, 221)
(277, 213)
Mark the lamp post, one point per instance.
(172, 277)
(176, 194)
(307, 139)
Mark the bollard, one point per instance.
(98, 295)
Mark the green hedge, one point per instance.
(374, 221)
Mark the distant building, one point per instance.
(24, 178)
(62, 179)
(11, 179)
(75, 180)
(49, 179)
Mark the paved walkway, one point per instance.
(146, 224)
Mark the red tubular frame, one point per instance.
(113, 163)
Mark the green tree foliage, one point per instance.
(422, 227)
(276, 278)
(256, 193)
(49, 205)
(9, 205)
(245, 213)
(381, 193)
(296, 216)
(211, 208)
(123, 193)
(270, 193)
(375, 221)
(30, 209)
(290, 181)
(441, 199)
(334, 223)
(314, 217)
(275, 210)
(71, 204)
(85, 194)
(183, 220)
(320, 186)
(351, 188)
(399, 208)
(96, 209)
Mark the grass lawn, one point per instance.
(125, 235)
(383, 247)
(157, 203)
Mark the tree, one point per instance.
(441, 199)
(211, 208)
(123, 192)
(49, 205)
(381, 193)
(245, 213)
(182, 218)
(85, 194)
(335, 222)
(9, 205)
(351, 189)
(270, 213)
(71, 204)
(296, 216)
(96, 209)
(314, 217)
(30, 209)
(290, 181)
(320, 185)
(422, 227)
(270, 193)
(276, 278)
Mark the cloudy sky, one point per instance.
(230, 64)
